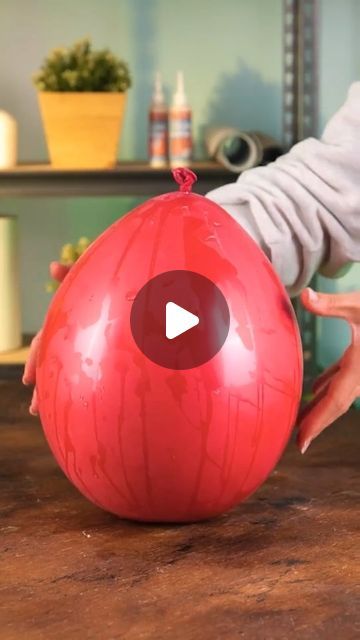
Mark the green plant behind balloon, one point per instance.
(69, 254)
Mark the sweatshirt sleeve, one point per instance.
(304, 208)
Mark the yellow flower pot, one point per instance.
(82, 129)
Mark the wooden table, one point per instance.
(284, 565)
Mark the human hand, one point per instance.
(58, 272)
(337, 388)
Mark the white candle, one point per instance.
(10, 317)
(8, 141)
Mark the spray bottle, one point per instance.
(158, 126)
(180, 129)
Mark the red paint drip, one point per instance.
(185, 178)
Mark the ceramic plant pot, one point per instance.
(82, 129)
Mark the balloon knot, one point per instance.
(185, 178)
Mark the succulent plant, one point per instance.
(69, 253)
(80, 68)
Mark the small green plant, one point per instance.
(69, 254)
(80, 68)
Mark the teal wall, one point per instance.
(230, 53)
(339, 53)
(339, 59)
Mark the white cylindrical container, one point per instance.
(10, 314)
(8, 141)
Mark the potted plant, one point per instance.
(82, 96)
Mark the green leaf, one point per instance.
(80, 68)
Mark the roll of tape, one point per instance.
(240, 150)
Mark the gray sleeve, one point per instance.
(304, 209)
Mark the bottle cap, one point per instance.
(158, 97)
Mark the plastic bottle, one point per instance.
(180, 129)
(158, 126)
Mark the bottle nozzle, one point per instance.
(158, 94)
(180, 99)
(180, 88)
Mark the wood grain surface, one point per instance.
(284, 565)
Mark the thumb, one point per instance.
(337, 305)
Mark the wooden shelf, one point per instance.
(126, 179)
(12, 362)
(17, 356)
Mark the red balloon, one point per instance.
(139, 439)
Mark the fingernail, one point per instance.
(313, 296)
(25, 381)
(305, 446)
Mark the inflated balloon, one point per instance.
(170, 368)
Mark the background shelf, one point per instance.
(17, 356)
(12, 362)
(126, 179)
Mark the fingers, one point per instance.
(29, 375)
(58, 271)
(330, 403)
(34, 407)
(339, 305)
(317, 417)
(338, 386)
(325, 377)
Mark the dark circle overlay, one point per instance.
(196, 294)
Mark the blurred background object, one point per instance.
(240, 150)
(10, 316)
(180, 126)
(8, 140)
(69, 253)
(158, 125)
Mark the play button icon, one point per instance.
(179, 319)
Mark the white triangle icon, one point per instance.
(178, 320)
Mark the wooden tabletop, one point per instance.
(284, 565)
